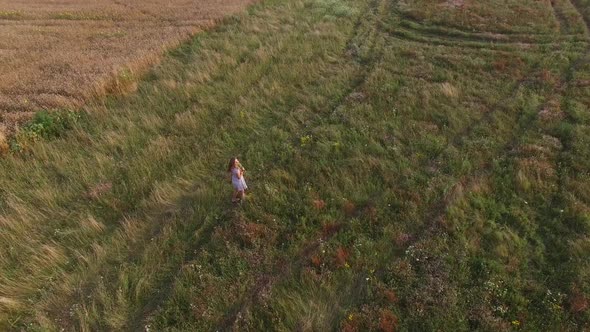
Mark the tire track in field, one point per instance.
(585, 35)
(459, 138)
(410, 29)
(264, 282)
(202, 238)
(558, 201)
(439, 208)
(523, 125)
(432, 36)
(564, 90)
(157, 228)
(521, 83)
(167, 286)
(407, 36)
(563, 23)
(140, 318)
(263, 285)
(221, 74)
(481, 36)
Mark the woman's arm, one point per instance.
(238, 172)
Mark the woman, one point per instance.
(237, 179)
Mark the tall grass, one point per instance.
(395, 184)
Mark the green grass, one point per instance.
(405, 173)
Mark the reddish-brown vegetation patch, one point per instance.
(319, 204)
(578, 302)
(330, 228)
(341, 256)
(349, 209)
(316, 260)
(390, 296)
(388, 322)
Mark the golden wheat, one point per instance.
(59, 55)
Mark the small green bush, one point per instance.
(48, 124)
(44, 125)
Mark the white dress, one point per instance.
(239, 183)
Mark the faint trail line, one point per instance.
(158, 227)
(499, 105)
(265, 282)
(562, 163)
(576, 5)
(480, 38)
(164, 292)
(152, 305)
(218, 76)
(439, 208)
(467, 31)
(563, 23)
(467, 39)
(425, 40)
(139, 318)
(109, 276)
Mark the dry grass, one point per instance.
(60, 54)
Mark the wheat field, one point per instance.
(61, 54)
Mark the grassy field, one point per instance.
(59, 54)
(414, 166)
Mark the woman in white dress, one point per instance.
(237, 179)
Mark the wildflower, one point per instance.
(516, 322)
(350, 317)
(346, 265)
